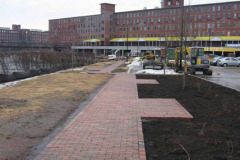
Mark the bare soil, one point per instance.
(213, 133)
(31, 110)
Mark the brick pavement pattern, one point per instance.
(110, 128)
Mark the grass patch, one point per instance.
(38, 91)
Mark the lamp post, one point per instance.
(209, 31)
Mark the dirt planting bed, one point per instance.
(213, 133)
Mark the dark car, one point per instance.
(214, 62)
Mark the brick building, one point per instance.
(17, 36)
(213, 25)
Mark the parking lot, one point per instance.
(225, 76)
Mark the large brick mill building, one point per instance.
(212, 26)
(22, 37)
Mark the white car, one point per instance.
(228, 61)
(112, 57)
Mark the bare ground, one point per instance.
(33, 109)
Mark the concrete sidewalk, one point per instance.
(110, 68)
(110, 128)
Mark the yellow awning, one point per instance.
(222, 38)
(92, 40)
(220, 49)
(152, 39)
(202, 38)
(230, 38)
(134, 39)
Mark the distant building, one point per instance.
(20, 37)
(206, 25)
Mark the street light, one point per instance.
(209, 31)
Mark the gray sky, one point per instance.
(34, 14)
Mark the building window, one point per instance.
(224, 7)
(223, 33)
(209, 17)
(213, 17)
(219, 8)
(199, 17)
(213, 25)
(213, 9)
(204, 17)
(204, 9)
(235, 6)
(209, 8)
(229, 15)
(224, 16)
(169, 2)
(223, 25)
(229, 24)
(234, 33)
(235, 15)
(234, 24)
(203, 25)
(229, 33)
(229, 7)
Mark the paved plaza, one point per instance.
(110, 127)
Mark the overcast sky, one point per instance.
(34, 14)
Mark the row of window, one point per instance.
(194, 34)
(177, 10)
(145, 21)
(7, 31)
(75, 20)
(157, 12)
(174, 19)
(212, 25)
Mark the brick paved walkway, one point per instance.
(110, 128)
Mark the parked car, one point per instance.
(214, 62)
(228, 61)
(238, 58)
(112, 57)
(211, 57)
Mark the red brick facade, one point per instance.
(220, 19)
(18, 36)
